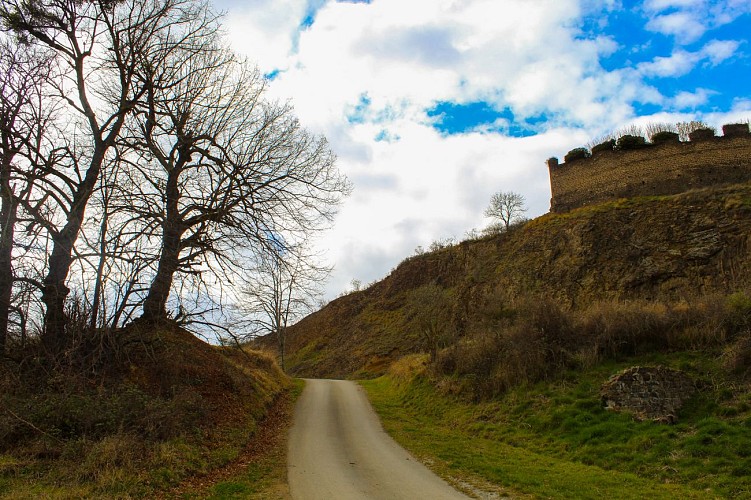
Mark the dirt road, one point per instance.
(338, 450)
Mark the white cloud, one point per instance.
(678, 63)
(658, 5)
(682, 62)
(684, 26)
(689, 20)
(718, 51)
(690, 100)
(266, 30)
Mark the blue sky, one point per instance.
(433, 105)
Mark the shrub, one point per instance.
(684, 129)
(737, 357)
(655, 128)
(738, 314)
(626, 142)
(735, 130)
(662, 137)
(576, 154)
(620, 329)
(608, 145)
(701, 134)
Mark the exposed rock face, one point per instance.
(649, 393)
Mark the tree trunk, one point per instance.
(8, 212)
(55, 292)
(98, 284)
(155, 305)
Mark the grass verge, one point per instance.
(553, 440)
(261, 471)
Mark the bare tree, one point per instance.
(97, 47)
(23, 119)
(685, 128)
(283, 287)
(223, 168)
(507, 206)
(163, 177)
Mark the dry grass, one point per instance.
(540, 340)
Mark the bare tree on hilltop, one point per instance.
(507, 206)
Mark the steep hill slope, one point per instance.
(667, 248)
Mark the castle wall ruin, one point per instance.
(658, 169)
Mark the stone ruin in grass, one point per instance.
(648, 393)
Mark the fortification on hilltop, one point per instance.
(665, 168)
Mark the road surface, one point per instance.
(338, 450)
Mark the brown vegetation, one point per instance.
(136, 412)
(562, 291)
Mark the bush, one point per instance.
(576, 154)
(701, 134)
(608, 145)
(651, 129)
(627, 142)
(735, 130)
(737, 357)
(616, 329)
(662, 137)
(738, 314)
(534, 342)
(685, 129)
(537, 339)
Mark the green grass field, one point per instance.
(554, 440)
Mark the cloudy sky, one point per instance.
(433, 105)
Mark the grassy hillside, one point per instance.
(554, 439)
(134, 414)
(677, 252)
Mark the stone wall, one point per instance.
(660, 169)
(649, 393)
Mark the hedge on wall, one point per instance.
(576, 154)
(630, 142)
(701, 134)
(604, 146)
(664, 136)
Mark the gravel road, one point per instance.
(338, 450)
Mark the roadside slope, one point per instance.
(143, 409)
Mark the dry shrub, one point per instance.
(699, 324)
(538, 345)
(619, 329)
(408, 367)
(539, 340)
(736, 357)
(737, 320)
